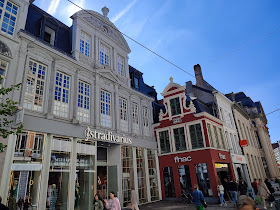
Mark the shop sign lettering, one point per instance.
(221, 156)
(176, 120)
(183, 159)
(109, 136)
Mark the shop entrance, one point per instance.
(102, 181)
(222, 171)
(168, 182)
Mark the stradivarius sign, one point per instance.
(109, 136)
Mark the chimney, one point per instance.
(198, 76)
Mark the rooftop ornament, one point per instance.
(105, 12)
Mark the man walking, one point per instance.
(242, 187)
(198, 198)
(232, 186)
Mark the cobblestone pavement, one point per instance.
(171, 205)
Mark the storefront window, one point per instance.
(203, 179)
(141, 175)
(185, 178)
(127, 174)
(168, 182)
(84, 183)
(153, 175)
(57, 192)
(222, 170)
(26, 170)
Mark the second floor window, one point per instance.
(123, 108)
(105, 108)
(210, 135)
(3, 71)
(35, 86)
(83, 102)
(196, 136)
(8, 16)
(104, 55)
(120, 65)
(179, 137)
(175, 106)
(216, 137)
(164, 141)
(61, 94)
(85, 44)
(222, 138)
(135, 119)
(145, 116)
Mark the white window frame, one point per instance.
(85, 40)
(39, 83)
(145, 116)
(123, 108)
(102, 49)
(62, 108)
(120, 62)
(106, 116)
(5, 68)
(10, 13)
(83, 103)
(135, 117)
(52, 33)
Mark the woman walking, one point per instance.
(134, 203)
(221, 192)
(98, 205)
(113, 203)
(264, 193)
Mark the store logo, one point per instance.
(223, 157)
(89, 134)
(183, 159)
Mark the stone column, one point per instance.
(147, 176)
(135, 172)
(158, 175)
(97, 102)
(71, 191)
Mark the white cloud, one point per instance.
(53, 6)
(72, 9)
(123, 12)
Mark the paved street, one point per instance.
(170, 205)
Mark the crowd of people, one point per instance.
(237, 193)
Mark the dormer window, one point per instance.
(104, 54)
(136, 82)
(49, 35)
(175, 106)
(85, 44)
(8, 16)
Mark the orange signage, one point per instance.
(243, 143)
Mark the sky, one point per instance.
(237, 43)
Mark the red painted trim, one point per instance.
(205, 131)
(172, 94)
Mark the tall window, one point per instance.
(175, 106)
(141, 175)
(136, 82)
(135, 118)
(83, 102)
(127, 174)
(222, 138)
(216, 137)
(105, 108)
(203, 179)
(104, 55)
(196, 136)
(8, 16)
(120, 65)
(164, 141)
(85, 44)
(145, 116)
(210, 135)
(123, 108)
(153, 174)
(179, 137)
(3, 71)
(61, 94)
(35, 86)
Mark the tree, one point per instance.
(7, 109)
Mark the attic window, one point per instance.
(105, 29)
(136, 82)
(49, 35)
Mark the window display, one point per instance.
(185, 178)
(203, 179)
(153, 175)
(141, 174)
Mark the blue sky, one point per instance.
(189, 32)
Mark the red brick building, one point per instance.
(191, 143)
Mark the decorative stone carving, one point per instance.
(87, 61)
(5, 50)
(192, 107)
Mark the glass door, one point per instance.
(168, 182)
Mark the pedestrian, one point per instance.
(134, 202)
(246, 203)
(26, 204)
(198, 198)
(221, 193)
(20, 203)
(269, 186)
(227, 193)
(113, 203)
(233, 187)
(264, 193)
(2, 206)
(242, 187)
(98, 205)
(255, 186)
